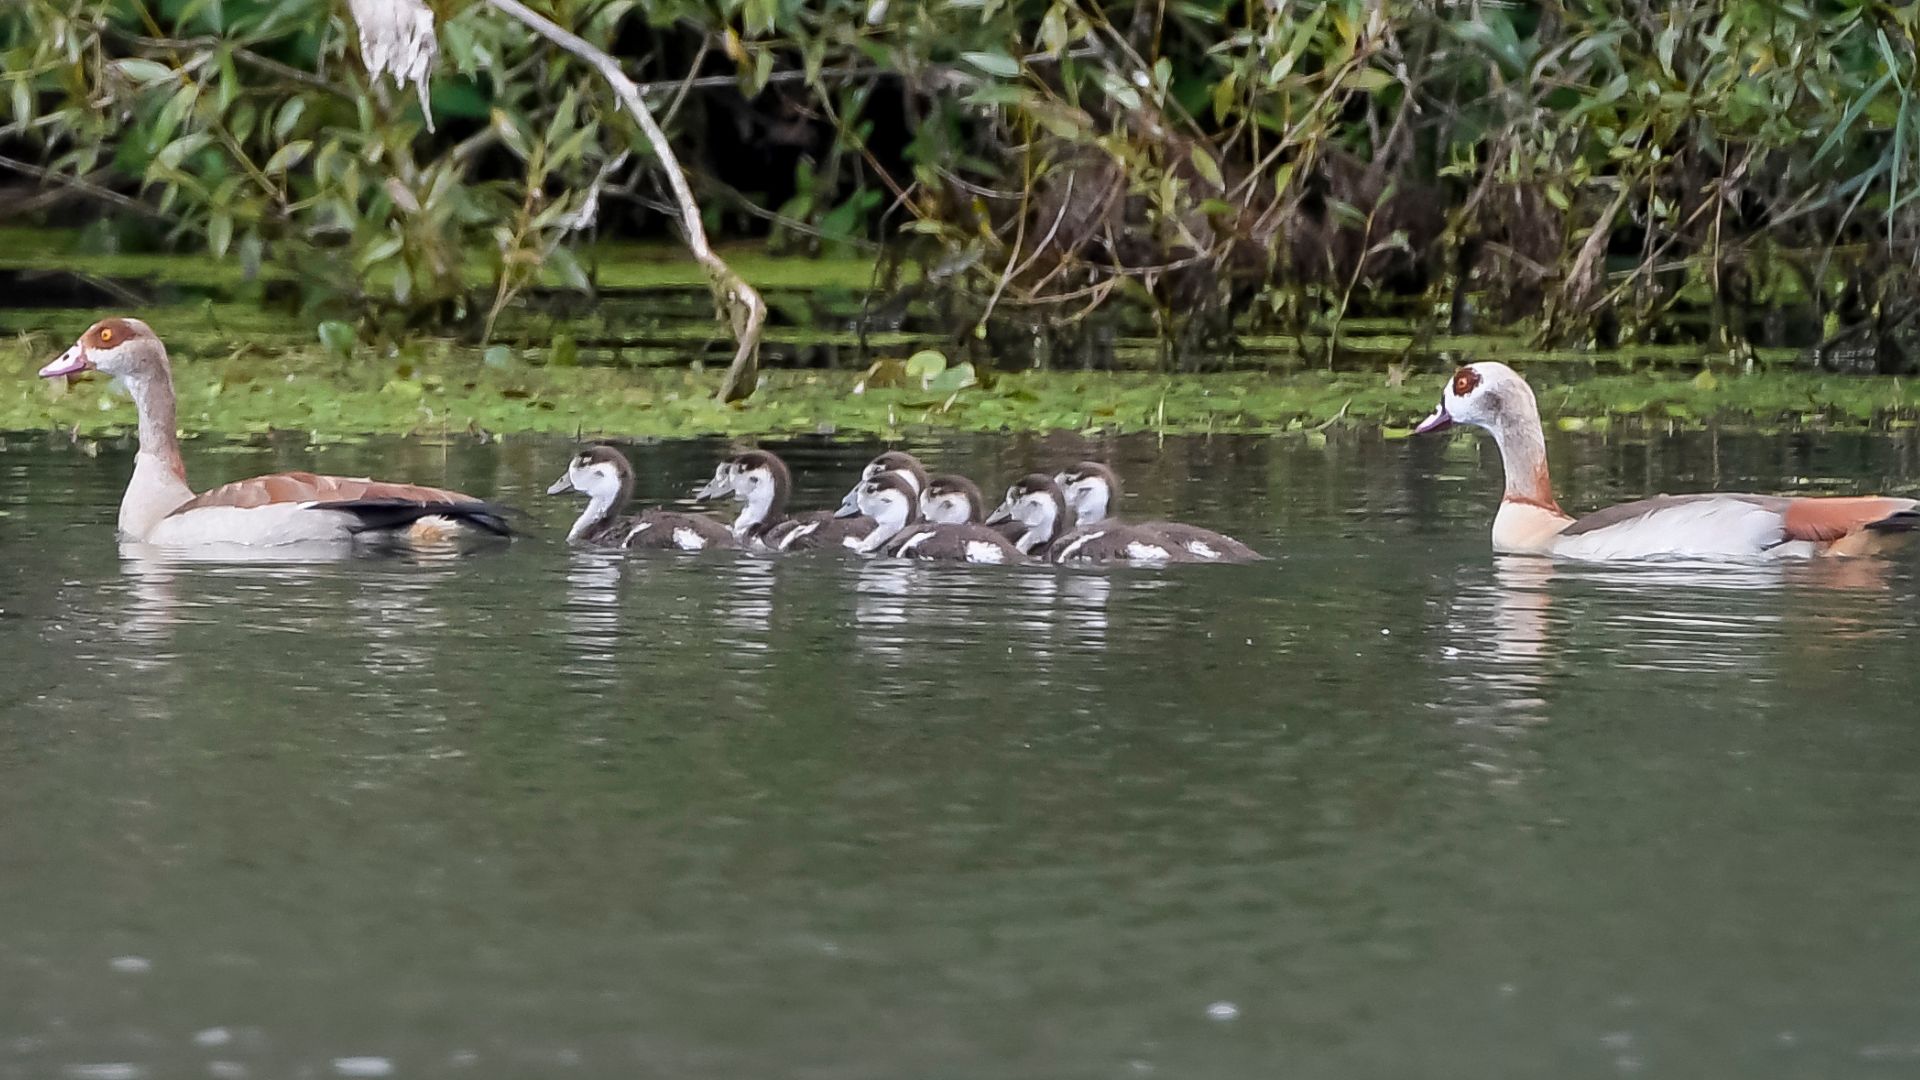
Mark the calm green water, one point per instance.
(1385, 806)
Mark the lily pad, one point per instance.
(925, 364)
(953, 379)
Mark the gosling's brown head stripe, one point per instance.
(888, 481)
(1034, 482)
(595, 455)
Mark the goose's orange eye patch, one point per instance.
(1465, 381)
(106, 335)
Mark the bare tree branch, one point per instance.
(82, 185)
(735, 301)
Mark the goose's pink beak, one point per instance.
(1439, 421)
(72, 362)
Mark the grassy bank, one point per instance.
(626, 365)
(449, 389)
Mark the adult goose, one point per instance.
(1093, 489)
(892, 501)
(762, 483)
(284, 508)
(1037, 502)
(605, 477)
(892, 461)
(1704, 526)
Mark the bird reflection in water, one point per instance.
(1698, 617)
(1519, 633)
(745, 603)
(155, 576)
(592, 614)
(885, 594)
(154, 607)
(1084, 615)
(1691, 617)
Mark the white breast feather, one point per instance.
(1073, 550)
(688, 540)
(982, 552)
(1202, 549)
(1139, 551)
(1705, 528)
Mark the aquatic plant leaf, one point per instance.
(925, 364)
(337, 337)
(957, 377)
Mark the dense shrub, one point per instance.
(1589, 168)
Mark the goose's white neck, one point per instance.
(599, 508)
(1041, 529)
(159, 483)
(888, 519)
(1523, 456)
(756, 509)
(1092, 504)
(1529, 520)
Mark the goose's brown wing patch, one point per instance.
(301, 487)
(1826, 520)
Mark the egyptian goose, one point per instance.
(605, 476)
(1092, 489)
(762, 483)
(893, 502)
(285, 508)
(1705, 526)
(1037, 502)
(894, 461)
(956, 500)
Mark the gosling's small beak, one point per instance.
(72, 362)
(1003, 512)
(712, 489)
(850, 505)
(565, 483)
(1439, 421)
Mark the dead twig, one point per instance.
(735, 301)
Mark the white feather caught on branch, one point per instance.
(396, 39)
